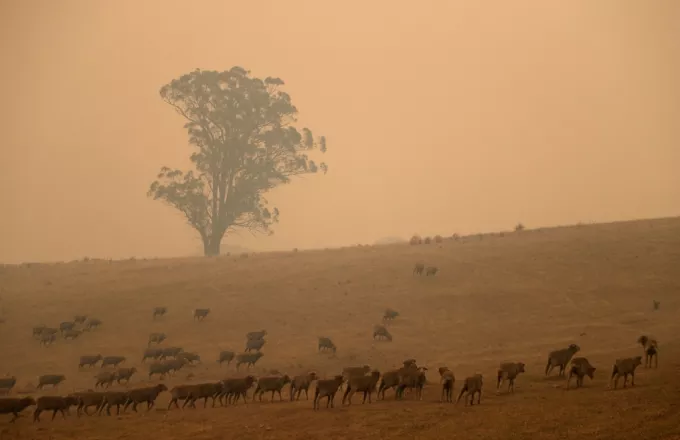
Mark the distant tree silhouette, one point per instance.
(245, 144)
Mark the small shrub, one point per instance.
(427, 240)
(438, 239)
(416, 240)
(455, 237)
(519, 227)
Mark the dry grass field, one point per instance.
(500, 298)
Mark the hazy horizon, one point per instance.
(452, 117)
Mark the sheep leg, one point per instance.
(36, 415)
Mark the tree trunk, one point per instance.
(211, 245)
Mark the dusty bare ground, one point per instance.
(514, 297)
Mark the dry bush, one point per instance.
(416, 240)
(455, 237)
(519, 227)
(438, 239)
(427, 240)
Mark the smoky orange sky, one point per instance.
(450, 116)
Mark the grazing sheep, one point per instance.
(141, 395)
(8, 382)
(189, 357)
(87, 399)
(14, 406)
(560, 358)
(68, 325)
(301, 383)
(431, 271)
(447, 380)
(93, 323)
(418, 269)
(509, 371)
(159, 311)
(80, 319)
(363, 384)
(105, 378)
(234, 388)
(112, 360)
(47, 339)
(125, 374)
(248, 358)
(160, 368)
(54, 404)
(390, 314)
(170, 352)
(71, 334)
(111, 398)
(580, 367)
(625, 367)
(226, 356)
(90, 360)
(204, 391)
(472, 385)
(271, 383)
(50, 379)
(380, 332)
(327, 388)
(254, 344)
(175, 365)
(256, 335)
(326, 344)
(156, 338)
(153, 353)
(201, 314)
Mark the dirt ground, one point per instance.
(497, 298)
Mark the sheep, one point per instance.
(171, 352)
(447, 380)
(327, 388)
(432, 270)
(348, 372)
(248, 358)
(160, 368)
(271, 383)
(204, 391)
(391, 379)
(326, 344)
(650, 348)
(234, 388)
(364, 384)
(153, 353)
(256, 335)
(112, 360)
(8, 382)
(175, 365)
(111, 398)
(68, 325)
(38, 330)
(418, 269)
(411, 377)
(156, 338)
(472, 385)
(656, 304)
(4, 391)
(50, 379)
(180, 392)
(159, 311)
(14, 406)
(71, 334)
(89, 360)
(560, 358)
(510, 371)
(390, 314)
(93, 323)
(254, 344)
(380, 332)
(580, 367)
(105, 378)
(189, 357)
(625, 367)
(141, 395)
(201, 314)
(47, 339)
(226, 356)
(54, 404)
(80, 319)
(125, 374)
(301, 383)
(87, 399)
(410, 363)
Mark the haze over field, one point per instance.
(453, 116)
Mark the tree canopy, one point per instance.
(245, 143)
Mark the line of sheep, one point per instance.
(361, 379)
(67, 329)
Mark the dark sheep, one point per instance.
(248, 358)
(50, 379)
(509, 371)
(156, 338)
(80, 319)
(159, 311)
(271, 383)
(153, 353)
(326, 344)
(89, 360)
(560, 358)
(93, 323)
(114, 398)
(380, 332)
(201, 314)
(171, 352)
(146, 394)
(125, 374)
(256, 335)
(226, 356)
(14, 406)
(105, 378)
(327, 388)
(234, 388)
(54, 404)
(301, 383)
(71, 334)
(362, 384)
(471, 386)
(254, 344)
(112, 360)
(66, 326)
(8, 382)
